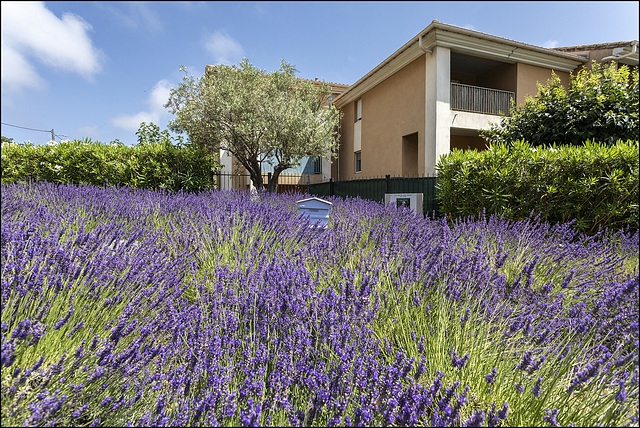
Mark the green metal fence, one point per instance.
(374, 189)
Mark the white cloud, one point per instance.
(30, 32)
(136, 15)
(550, 44)
(470, 27)
(16, 70)
(260, 10)
(192, 5)
(156, 112)
(224, 48)
(90, 131)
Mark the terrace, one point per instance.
(477, 99)
(481, 85)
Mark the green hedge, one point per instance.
(156, 164)
(595, 184)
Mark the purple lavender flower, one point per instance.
(535, 366)
(437, 384)
(63, 320)
(590, 371)
(476, 419)
(449, 392)
(502, 413)
(251, 415)
(567, 279)
(459, 362)
(37, 331)
(269, 319)
(465, 317)
(76, 413)
(551, 417)
(526, 360)
(536, 387)
(22, 330)
(621, 395)
(75, 328)
(421, 344)
(491, 377)
(8, 353)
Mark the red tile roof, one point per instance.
(594, 47)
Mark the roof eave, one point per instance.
(464, 41)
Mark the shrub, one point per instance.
(156, 162)
(595, 184)
(600, 104)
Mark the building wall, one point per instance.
(530, 75)
(467, 142)
(437, 107)
(343, 166)
(416, 99)
(390, 110)
(503, 77)
(592, 55)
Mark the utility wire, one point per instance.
(33, 129)
(30, 129)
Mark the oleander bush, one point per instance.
(125, 306)
(156, 162)
(594, 184)
(599, 104)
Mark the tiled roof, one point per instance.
(593, 47)
(328, 83)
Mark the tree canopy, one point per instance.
(600, 104)
(276, 117)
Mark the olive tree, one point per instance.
(600, 104)
(273, 118)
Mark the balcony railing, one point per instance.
(481, 100)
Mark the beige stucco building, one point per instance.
(438, 90)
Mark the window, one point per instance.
(358, 161)
(317, 165)
(358, 110)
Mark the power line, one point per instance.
(39, 130)
(30, 129)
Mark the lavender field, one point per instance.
(132, 307)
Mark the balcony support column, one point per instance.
(437, 107)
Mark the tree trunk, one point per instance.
(256, 179)
(255, 172)
(273, 184)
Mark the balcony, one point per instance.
(481, 100)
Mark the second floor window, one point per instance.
(358, 161)
(358, 110)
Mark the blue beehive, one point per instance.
(316, 209)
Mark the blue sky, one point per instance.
(98, 69)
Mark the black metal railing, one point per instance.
(374, 189)
(286, 182)
(481, 100)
